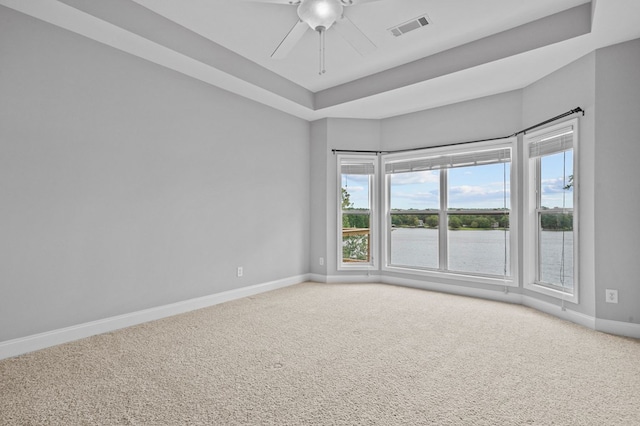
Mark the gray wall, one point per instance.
(319, 193)
(125, 185)
(570, 87)
(329, 134)
(483, 118)
(617, 199)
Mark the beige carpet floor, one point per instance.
(333, 354)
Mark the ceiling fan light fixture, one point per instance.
(320, 14)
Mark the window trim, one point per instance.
(373, 215)
(531, 246)
(510, 281)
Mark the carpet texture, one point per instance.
(323, 354)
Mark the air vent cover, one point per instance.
(413, 24)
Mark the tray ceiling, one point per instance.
(469, 49)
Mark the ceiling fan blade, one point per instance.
(290, 40)
(354, 36)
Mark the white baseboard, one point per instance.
(348, 279)
(318, 278)
(35, 342)
(557, 311)
(606, 326)
(620, 328)
(480, 293)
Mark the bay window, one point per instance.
(450, 211)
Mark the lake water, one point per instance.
(481, 252)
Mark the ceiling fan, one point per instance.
(320, 15)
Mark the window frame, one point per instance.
(443, 213)
(372, 213)
(533, 210)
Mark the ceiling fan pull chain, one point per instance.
(322, 68)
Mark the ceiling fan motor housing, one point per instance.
(320, 15)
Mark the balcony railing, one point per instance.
(356, 250)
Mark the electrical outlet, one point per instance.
(240, 271)
(321, 261)
(612, 296)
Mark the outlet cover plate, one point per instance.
(612, 295)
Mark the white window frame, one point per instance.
(373, 215)
(531, 209)
(510, 281)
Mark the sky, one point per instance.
(553, 168)
(477, 187)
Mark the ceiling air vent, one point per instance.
(414, 24)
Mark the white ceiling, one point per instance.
(470, 49)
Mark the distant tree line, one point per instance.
(557, 221)
(549, 221)
(455, 221)
(355, 221)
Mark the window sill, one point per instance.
(356, 267)
(478, 279)
(552, 292)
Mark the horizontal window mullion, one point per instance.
(414, 212)
(550, 285)
(477, 212)
(556, 210)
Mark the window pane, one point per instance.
(556, 183)
(356, 186)
(479, 187)
(355, 238)
(414, 236)
(414, 240)
(355, 191)
(415, 190)
(479, 244)
(556, 249)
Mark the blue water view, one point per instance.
(482, 252)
